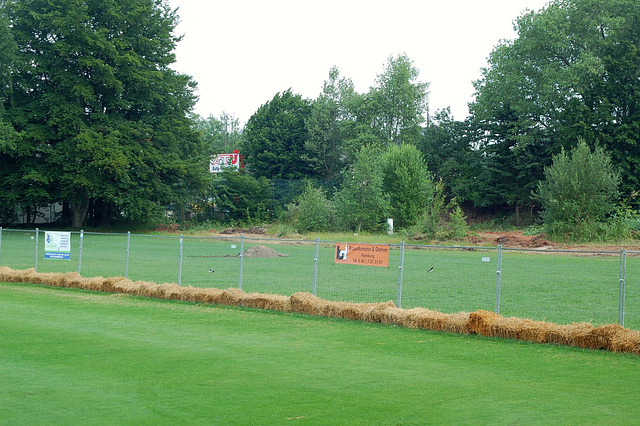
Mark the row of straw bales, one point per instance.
(612, 337)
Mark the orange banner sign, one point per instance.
(362, 254)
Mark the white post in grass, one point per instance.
(241, 261)
(126, 266)
(315, 268)
(498, 278)
(36, 262)
(400, 274)
(180, 260)
(622, 285)
(80, 252)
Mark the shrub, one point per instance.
(312, 210)
(580, 190)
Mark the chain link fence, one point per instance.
(559, 286)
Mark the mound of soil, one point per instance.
(262, 251)
(512, 239)
(234, 231)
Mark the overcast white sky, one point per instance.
(243, 52)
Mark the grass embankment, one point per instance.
(74, 357)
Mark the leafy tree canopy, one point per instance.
(572, 72)
(100, 114)
(275, 137)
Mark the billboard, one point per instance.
(222, 162)
(362, 254)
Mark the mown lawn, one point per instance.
(74, 357)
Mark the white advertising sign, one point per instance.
(57, 245)
(222, 162)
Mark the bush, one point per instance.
(455, 228)
(241, 198)
(579, 192)
(312, 210)
(408, 184)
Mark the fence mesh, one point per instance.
(601, 287)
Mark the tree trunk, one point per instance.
(79, 213)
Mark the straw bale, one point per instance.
(148, 289)
(307, 303)
(211, 295)
(93, 284)
(70, 280)
(188, 294)
(6, 274)
(169, 291)
(347, 310)
(521, 329)
(393, 315)
(425, 319)
(126, 286)
(41, 277)
(480, 322)
(376, 312)
(626, 341)
(26, 276)
(232, 297)
(576, 334)
(609, 332)
(457, 323)
(274, 302)
(108, 285)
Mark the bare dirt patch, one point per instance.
(516, 239)
(243, 231)
(262, 251)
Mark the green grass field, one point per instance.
(71, 357)
(560, 288)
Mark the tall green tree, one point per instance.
(221, 134)
(101, 114)
(450, 149)
(326, 144)
(571, 73)
(408, 183)
(361, 203)
(275, 137)
(399, 101)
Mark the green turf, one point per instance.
(557, 287)
(69, 357)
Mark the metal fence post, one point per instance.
(0, 242)
(622, 285)
(400, 274)
(36, 260)
(180, 260)
(315, 267)
(126, 265)
(241, 261)
(80, 251)
(498, 279)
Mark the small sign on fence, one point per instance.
(362, 254)
(57, 245)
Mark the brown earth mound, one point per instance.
(262, 251)
(239, 231)
(512, 239)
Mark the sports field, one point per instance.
(75, 357)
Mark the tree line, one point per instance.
(93, 116)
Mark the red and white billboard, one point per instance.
(224, 162)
